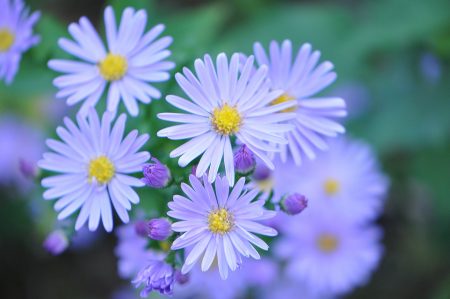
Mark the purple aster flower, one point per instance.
(131, 251)
(56, 242)
(209, 285)
(181, 278)
(225, 102)
(156, 174)
(132, 59)
(300, 79)
(159, 229)
(95, 162)
(244, 161)
(327, 253)
(346, 179)
(16, 36)
(156, 276)
(431, 67)
(220, 225)
(21, 146)
(294, 204)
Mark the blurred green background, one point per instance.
(392, 58)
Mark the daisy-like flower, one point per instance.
(346, 179)
(329, 254)
(131, 59)
(16, 36)
(225, 103)
(300, 79)
(95, 164)
(218, 224)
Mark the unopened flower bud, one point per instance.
(56, 242)
(181, 278)
(141, 228)
(28, 169)
(156, 174)
(294, 204)
(159, 229)
(244, 161)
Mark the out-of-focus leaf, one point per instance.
(50, 29)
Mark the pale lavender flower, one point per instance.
(209, 285)
(327, 253)
(156, 276)
(346, 179)
(300, 79)
(220, 225)
(244, 160)
(431, 67)
(16, 36)
(156, 174)
(131, 251)
(132, 59)
(294, 204)
(56, 242)
(225, 102)
(159, 229)
(95, 162)
(21, 146)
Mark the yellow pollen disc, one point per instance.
(220, 221)
(6, 39)
(265, 185)
(327, 243)
(331, 187)
(283, 99)
(226, 120)
(101, 169)
(165, 246)
(113, 67)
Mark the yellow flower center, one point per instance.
(220, 221)
(331, 187)
(327, 243)
(6, 39)
(283, 99)
(165, 246)
(226, 120)
(101, 169)
(265, 185)
(113, 67)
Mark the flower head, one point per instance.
(159, 229)
(225, 102)
(56, 242)
(21, 146)
(131, 59)
(346, 179)
(244, 160)
(132, 251)
(16, 36)
(94, 161)
(294, 204)
(218, 224)
(156, 276)
(300, 79)
(156, 174)
(329, 253)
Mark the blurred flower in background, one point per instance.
(16, 36)
(21, 146)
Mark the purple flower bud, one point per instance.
(181, 278)
(28, 169)
(156, 174)
(141, 228)
(244, 161)
(294, 204)
(56, 242)
(156, 276)
(262, 172)
(159, 229)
